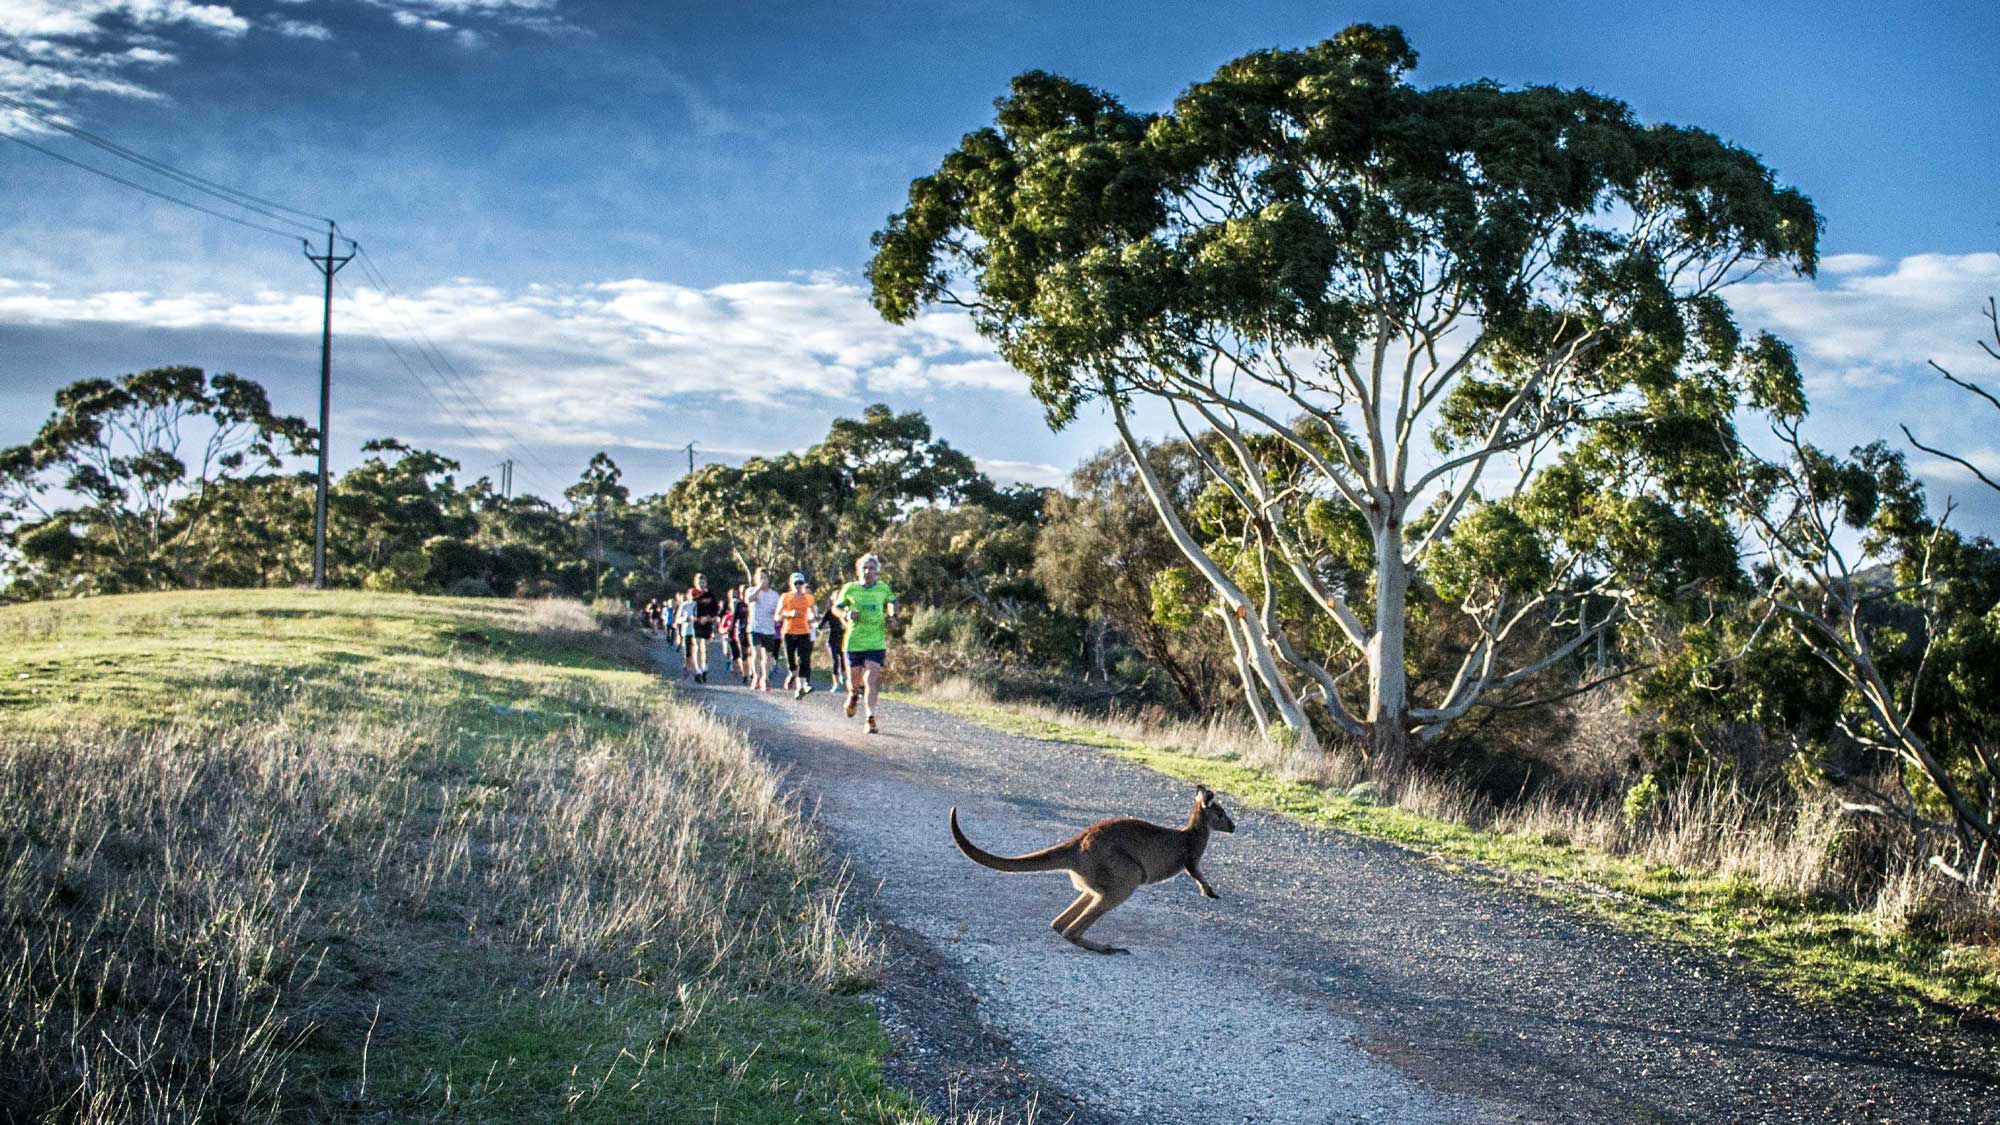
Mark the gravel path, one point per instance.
(1336, 980)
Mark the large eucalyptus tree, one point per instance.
(1465, 336)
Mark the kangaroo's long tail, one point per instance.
(1055, 858)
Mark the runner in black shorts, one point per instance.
(740, 609)
(707, 607)
(835, 629)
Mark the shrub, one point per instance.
(1640, 800)
(936, 626)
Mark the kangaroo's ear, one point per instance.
(1203, 792)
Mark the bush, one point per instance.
(404, 574)
(470, 587)
(1640, 800)
(955, 629)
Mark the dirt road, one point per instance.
(1336, 980)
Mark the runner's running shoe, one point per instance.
(853, 702)
(871, 725)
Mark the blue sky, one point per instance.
(631, 225)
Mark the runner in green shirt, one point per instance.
(867, 605)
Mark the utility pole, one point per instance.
(690, 451)
(328, 265)
(507, 479)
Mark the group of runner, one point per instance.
(758, 626)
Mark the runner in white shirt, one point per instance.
(763, 630)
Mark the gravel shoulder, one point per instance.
(1336, 980)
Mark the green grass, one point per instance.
(437, 858)
(1810, 948)
(133, 659)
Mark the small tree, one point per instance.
(1105, 556)
(1328, 270)
(1877, 630)
(115, 489)
(596, 501)
(1922, 688)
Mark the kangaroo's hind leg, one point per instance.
(1102, 902)
(1070, 912)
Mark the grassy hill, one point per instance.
(338, 855)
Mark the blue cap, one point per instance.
(797, 577)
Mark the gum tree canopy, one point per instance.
(1466, 337)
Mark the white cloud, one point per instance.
(1873, 324)
(301, 29)
(52, 47)
(443, 15)
(48, 47)
(585, 361)
(1006, 472)
(414, 19)
(1849, 263)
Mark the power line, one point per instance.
(455, 415)
(328, 265)
(192, 206)
(458, 415)
(266, 207)
(446, 371)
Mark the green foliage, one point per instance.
(1492, 549)
(971, 559)
(1069, 216)
(957, 630)
(1875, 663)
(821, 509)
(403, 573)
(1640, 800)
(1177, 598)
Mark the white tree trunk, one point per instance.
(1251, 694)
(1234, 600)
(1388, 687)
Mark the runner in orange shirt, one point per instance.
(795, 618)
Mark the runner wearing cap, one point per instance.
(868, 605)
(795, 618)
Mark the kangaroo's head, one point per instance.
(1208, 809)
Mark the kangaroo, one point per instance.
(1112, 858)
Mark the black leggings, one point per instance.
(799, 654)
